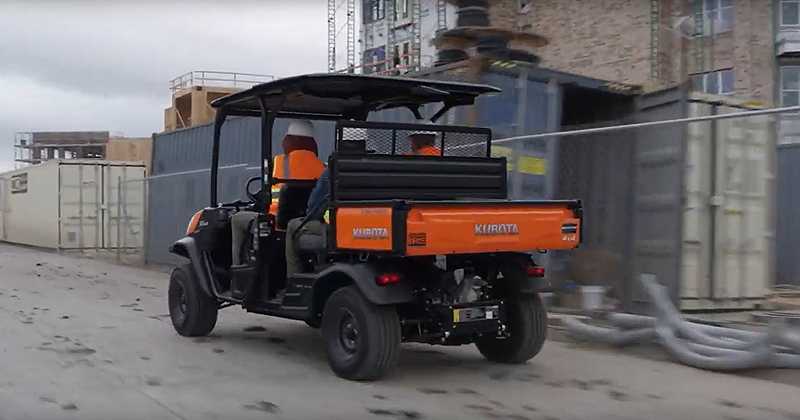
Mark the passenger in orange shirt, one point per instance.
(423, 143)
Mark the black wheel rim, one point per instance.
(348, 332)
(179, 303)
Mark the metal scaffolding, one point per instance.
(655, 22)
(331, 36)
(441, 15)
(351, 34)
(416, 35)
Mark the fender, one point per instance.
(516, 281)
(187, 248)
(363, 276)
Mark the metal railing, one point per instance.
(218, 79)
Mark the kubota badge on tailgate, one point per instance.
(496, 229)
(370, 233)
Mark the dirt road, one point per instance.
(87, 339)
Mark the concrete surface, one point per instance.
(85, 339)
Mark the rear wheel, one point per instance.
(193, 313)
(362, 340)
(526, 328)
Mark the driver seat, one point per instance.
(293, 202)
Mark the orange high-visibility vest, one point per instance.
(427, 151)
(299, 165)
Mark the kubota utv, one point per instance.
(423, 249)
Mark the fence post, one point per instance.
(80, 206)
(519, 146)
(124, 215)
(97, 204)
(145, 225)
(119, 219)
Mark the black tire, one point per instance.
(526, 325)
(369, 352)
(193, 313)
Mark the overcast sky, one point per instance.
(105, 64)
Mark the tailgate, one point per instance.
(481, 227)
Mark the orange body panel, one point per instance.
(364, 228)
(466, 229)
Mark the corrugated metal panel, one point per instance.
(658, 195)
(788, 201)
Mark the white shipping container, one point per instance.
(727, 225)
(74, 204)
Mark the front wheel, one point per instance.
(193, 313)
(362, 340)
(526, 329)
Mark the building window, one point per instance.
(716, 13)
(790, 85)
(716, 82)
(401, 9)
(374, 10)
(790, 12)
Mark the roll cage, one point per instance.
(332, 97)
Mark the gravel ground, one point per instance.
(87, 339)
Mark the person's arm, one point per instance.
(319, 196)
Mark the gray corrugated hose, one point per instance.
(698, 345)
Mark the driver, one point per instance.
(317, 212)
(299, 161)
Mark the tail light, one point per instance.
(534, 271)
(387, 278)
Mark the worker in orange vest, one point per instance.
(423, 142)
(299, 160)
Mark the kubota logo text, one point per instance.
(496, 229)
(370, 233)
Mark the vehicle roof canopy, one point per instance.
(346, 96)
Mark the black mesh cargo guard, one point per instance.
(393, 138)
(385, 177)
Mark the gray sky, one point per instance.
(105, 64)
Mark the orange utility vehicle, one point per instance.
(416, 248)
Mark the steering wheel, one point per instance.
(250, 195)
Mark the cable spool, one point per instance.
(489, 44)
(445, 57)
(472, 17)
(524, 56)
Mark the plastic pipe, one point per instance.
(610, 336)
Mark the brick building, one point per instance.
(633, 41)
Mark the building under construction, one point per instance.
(32, 148)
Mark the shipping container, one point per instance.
(703, 202)
(74, 204)
(788, 203)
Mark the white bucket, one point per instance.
(592, 297)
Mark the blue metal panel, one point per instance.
(787, 222)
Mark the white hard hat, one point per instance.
(301, 128)
(423, 132)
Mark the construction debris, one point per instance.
(698, 345)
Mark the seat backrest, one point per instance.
(292, 202)
(388, 177)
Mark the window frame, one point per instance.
(373, 13)
(718, 18)
(717, 74)
(780, 14)
(783, 90)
